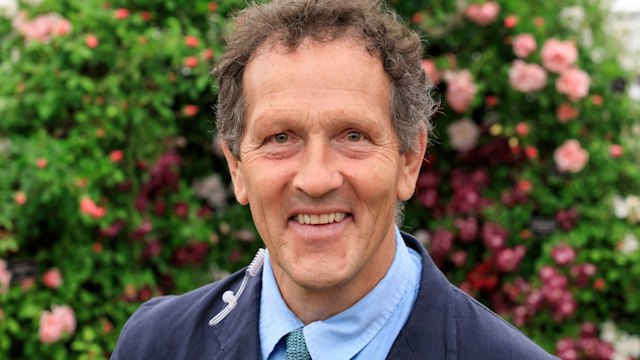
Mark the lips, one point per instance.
(319, 219)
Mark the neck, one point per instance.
(314, 304)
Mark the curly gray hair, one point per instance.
(288, 22)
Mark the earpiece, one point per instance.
(229, 297)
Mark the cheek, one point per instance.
(267, 184)
(375, 187)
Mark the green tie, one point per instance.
(296, 346)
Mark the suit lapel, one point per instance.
(430, 331)
(238, 332)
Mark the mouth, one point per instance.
(320, 219)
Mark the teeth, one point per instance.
(307, 219)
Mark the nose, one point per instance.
(319, 171)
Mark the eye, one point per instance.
(354, 136)
(281, 138)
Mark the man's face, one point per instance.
(320, 165)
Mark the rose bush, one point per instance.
(113, 193)
(536, 215)
(105, 134)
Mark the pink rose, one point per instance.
(122, 13)
(510, 21)
(459, 258)
(191, 41)
(431, 70)
(574, 83)
(523, 45)
(41, 163)
(92, 41)
(20, 198)
(66, 317)
(90, 208)
(38, 29)
(570, 157)
(61, 27)
(5, 277)
(52, 278)
(460, 89)
(522, 129)
(463, 135)
(116, 156)
(565, 113)
(563, 254)
(509, 258)
(558, 56)
(483, 14)
(494, 236)
(525, 77)
(50, 331)
(191, 61)
(615, 150)
(207, 54)
(190, 110)
(55, 323)
(43, 27)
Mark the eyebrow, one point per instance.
(355, 115)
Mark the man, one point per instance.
(324, 113)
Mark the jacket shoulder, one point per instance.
(171, 327)
(482, 334)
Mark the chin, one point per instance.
(323, 276)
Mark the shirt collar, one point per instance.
(344, 334)
(276, 320)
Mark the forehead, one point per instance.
(341, 65)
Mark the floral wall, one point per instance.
(113, 188)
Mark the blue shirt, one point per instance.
(366, 330)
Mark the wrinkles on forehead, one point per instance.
(257, 85)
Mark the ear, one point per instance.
(410, 168)
(239, 185)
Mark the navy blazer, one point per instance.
(445, 323)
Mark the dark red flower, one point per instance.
(181, 210)
(467, 229)
(563, 254)
(152, 249)
(494, 236)
(159, 207)
(483, 277)
(429, 179)
(567, 219)
(428, 198)
(509, 259)
(466, 199)
(192, 254)
(142, 230)
(440, 245)
(113, 230)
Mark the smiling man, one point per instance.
(324, 112)
(321, 169)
